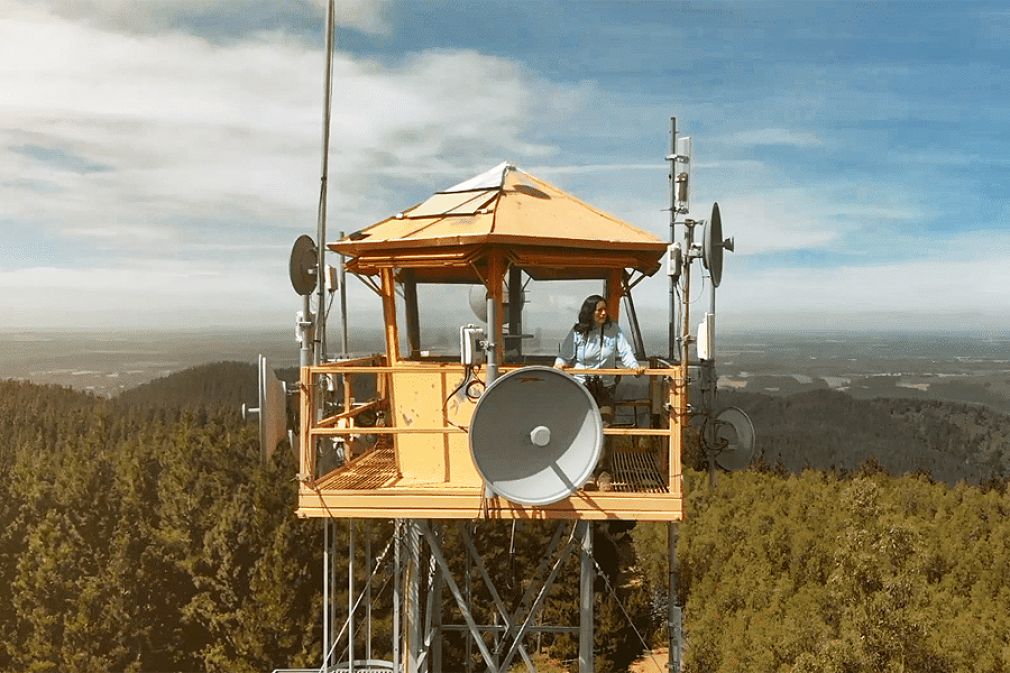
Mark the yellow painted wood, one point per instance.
(330, 421)
(439, 450)
(306, 415)
(428, 503)
(406, 366)
(430, 473)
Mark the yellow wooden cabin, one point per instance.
(416, 462)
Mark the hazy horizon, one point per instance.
(728, 323)
(968, 366)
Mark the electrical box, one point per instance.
(332, 278)
(303, 324)
(674, 261)
(682, 176)
(706, 338)
(471, 345)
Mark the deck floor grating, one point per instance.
(376, 469)
(637, 472)
(633, 472)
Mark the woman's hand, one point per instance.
(639, 371)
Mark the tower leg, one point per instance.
(350, 595)
(327, 598)
(674, 624)
(369, 567)
(397, 595)
(413, 602)
(586, 659)
(436, 552)
(436, 623)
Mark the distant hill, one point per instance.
(218, 383)
(825, 429)
(227, 383)
(820, 429)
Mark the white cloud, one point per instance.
(157, 294)
(934, 292)
(919, 286)
(773, 136)
(578, 169)
(197, 149)
(205, 146)
(215, 19)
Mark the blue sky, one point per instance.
(159, 158)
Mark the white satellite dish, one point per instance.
(272, 411)
(477, 299)
(734, 439)
(536, 435)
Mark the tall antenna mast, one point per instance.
(673, 350)
(329, 528)
(320, 331)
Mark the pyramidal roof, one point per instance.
(503, 205)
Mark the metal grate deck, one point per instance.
(637, 472)
(634, 472)
(375, 469)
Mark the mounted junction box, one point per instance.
(471, 345)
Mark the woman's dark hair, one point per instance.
(585, 322)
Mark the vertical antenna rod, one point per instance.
(323, 181)
(678, 350)
(319, 333)
(674, 341)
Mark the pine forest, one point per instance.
(143, 533)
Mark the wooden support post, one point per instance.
(307, 459)
(392, 347)
(389, 316)
(678, 418)
(614, 292)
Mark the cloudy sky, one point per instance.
(160, 157)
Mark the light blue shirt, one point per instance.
(599, 350)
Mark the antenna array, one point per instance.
(717, 427)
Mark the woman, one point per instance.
(595, 342)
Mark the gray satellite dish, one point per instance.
(734, 439)
(477, 299)
(714, 245)
(302, 265)
(272, 411)
(536, 435)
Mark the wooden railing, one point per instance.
(349, 409)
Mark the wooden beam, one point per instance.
(350, 413)
(389, 316)
(429, 503)
(615, 290)
(306, 462)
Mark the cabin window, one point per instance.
(441, 310)
(552, 307)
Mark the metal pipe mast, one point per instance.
(320, 331)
